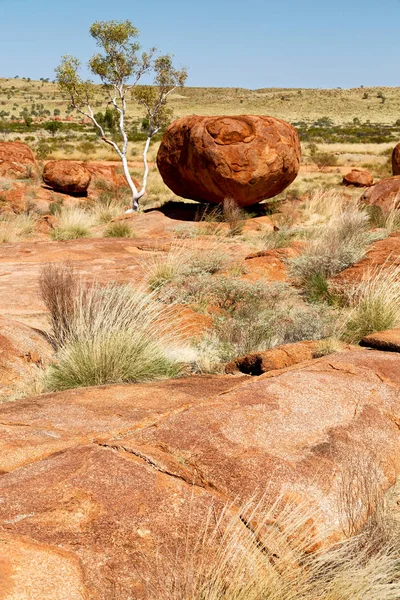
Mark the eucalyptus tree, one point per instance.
(121, 65)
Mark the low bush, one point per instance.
(248, 316)
(15, 227)
(185, 261)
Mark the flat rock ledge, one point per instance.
(99, 485)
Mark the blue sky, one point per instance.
(246, 43)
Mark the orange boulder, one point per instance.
(17, 160)
(358, 178)
(248, 158)
(385, 194)
(396, 160)
(257, 363)
(67, 176)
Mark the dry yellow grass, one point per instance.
(341, 105)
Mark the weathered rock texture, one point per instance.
(22, 351)
(358, 178)
(67, 176)
(257, 363)
(396, 160)
(17, 160)
(108, 486)
(247, 158)
(385, 194)
(388, 340)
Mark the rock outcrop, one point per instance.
(248, 158)
(17, 161)
(110, 486)
(396, 160)
(385, 194)
(23, 351)
(358, 178)
(67, 176)
(388, 340)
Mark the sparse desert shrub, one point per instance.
(339, 244)
(119, 230)
(113, 334)
(374, 304)
(185, 261)
(256, 317)
(389, 220)
(278, 239)
(233, 215)
(322, 159)
(328, 346)
(73, 223)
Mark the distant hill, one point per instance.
(378, 105)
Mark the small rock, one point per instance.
(358, 178)
(67, 176)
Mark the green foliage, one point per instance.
(108, 120)
(353, 133)
(322, 159)
(154, 98)
(43, 150)
(53, 127)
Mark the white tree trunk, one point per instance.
(135, 194)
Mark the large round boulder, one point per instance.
(248, 158)
(396, 160)
(17, 161)
(358, 178)
(67, 176)
(385, 194)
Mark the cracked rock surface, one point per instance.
(97, 484)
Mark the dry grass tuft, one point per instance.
(183, 260)
(111, 334)
(15, 227)
(374, 303)
(73, 223)
(340, 238)
(269, 552)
